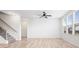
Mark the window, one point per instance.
(76, 24)
(64, 24)
(70, 23)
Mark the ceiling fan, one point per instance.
(45, 15)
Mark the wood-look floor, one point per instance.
(39, 43)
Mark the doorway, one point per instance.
(24, 29)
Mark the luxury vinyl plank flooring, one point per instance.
(40, 43)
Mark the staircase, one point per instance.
(7, 33)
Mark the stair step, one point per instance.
(9, 37)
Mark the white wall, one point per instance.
(14, 21)
(43, 28)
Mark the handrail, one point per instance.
(3, 13)
(8, 25)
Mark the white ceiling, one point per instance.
(31, 13)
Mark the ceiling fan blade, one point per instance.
(46, 17)
(49, 15)
(41, 16)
